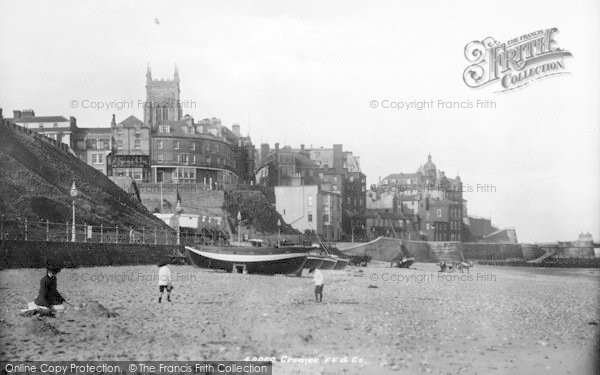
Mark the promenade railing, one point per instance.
(45, 230)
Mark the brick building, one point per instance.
(308, 208)
(58, 128)
(332, 169)
(432, 201)
(185, 151)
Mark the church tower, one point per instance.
(162, 99)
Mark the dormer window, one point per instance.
(164, 129)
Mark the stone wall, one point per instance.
(34, 254)
(491, 251)
(195, 198)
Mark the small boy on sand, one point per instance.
(318, 278)
(165, 281)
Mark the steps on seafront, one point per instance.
(547, 255)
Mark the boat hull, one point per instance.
(313, 262)
(328, 264)
(267, 261)
(341, 264)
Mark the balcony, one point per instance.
(188, 163)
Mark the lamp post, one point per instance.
(73, 195)
(278, 232)
(239, 219)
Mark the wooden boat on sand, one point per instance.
(239, 259)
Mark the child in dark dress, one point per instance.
(48, 296)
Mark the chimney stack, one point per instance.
(16, 115)
(27, 113)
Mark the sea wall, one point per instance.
(34, 254)
(490, 251)
(385, 249)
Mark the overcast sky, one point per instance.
(306, 72)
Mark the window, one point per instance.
(193, 146)
(96, 158)
(184, 158)
(310, 218)
(55, 125)
(176, 145)
(160, 157)
(439, 212)
(137, 143)
(193, 159)
(326, 218)
(164, 129)
(310, 200)
(159, 144)
(120, 144)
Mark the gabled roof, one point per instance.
(131, 122)
(41, 119)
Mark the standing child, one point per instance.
(318, 278)
(165, 281)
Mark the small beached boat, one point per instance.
(402, 262)
(263, 260)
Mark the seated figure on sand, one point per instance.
(48, 299)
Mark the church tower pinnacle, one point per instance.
(148, 74)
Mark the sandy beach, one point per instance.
(494, 320)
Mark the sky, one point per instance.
(307, 72)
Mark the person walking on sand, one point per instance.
(318, 278)
(165, 281)
(48, 296)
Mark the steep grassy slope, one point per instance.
(36, 176)
(256, 210)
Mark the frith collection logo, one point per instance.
(515, 63)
